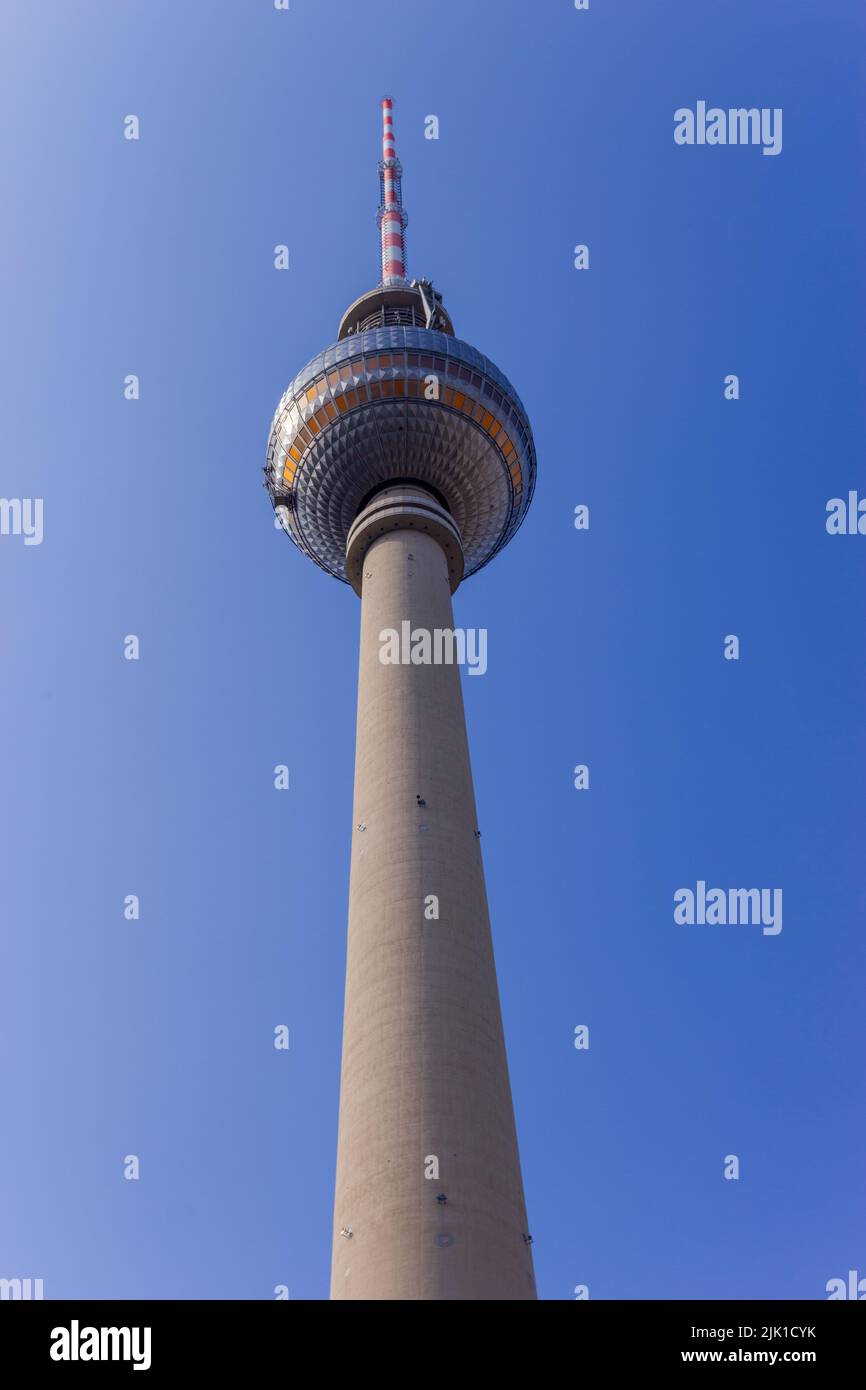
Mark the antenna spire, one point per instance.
(391, 219)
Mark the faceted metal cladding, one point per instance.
(366, 411)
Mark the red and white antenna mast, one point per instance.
(391, 219)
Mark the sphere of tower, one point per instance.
(406, 404)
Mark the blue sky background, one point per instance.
(605, 647)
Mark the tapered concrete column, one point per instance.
(424, 1075)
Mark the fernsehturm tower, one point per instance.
(400, 461)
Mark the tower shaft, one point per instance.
(424, 1073)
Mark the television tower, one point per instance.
(401, 460)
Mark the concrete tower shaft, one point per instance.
(424, 1076)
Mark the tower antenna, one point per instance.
(391, 219)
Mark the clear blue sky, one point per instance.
(707, 518)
